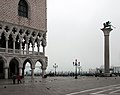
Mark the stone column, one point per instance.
(23, 72)
(33, 45)
(14, 45)
(6, 73)
(32, 73)
(44, 45)
(6, 38)
(20, 47)
(43, 72)
(14, 39)
(6, 45)
(20, 71)
(38, 45)
(20, 39)
(106, 32)
(27, 51)
(27, 41)
(44, 50)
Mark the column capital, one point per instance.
(33, 40)
(6, 36)
(27, 39)
(44, 43)
(14, 37)
(106, 31)
(20, 38)
(39, 39)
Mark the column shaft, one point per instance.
(32, 73)
(44, 50)
(106, 31)
(43, 73)
(6, 73)
(33, 49)
(106, 54)
(26, 48)
(6, 46)
(20, 71)
(20, 48)
(13, 47)
(38, 49)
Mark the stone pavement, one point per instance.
(36, 86)
(61, 86)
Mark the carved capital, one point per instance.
(6, 35)
(43, 43)
(39, 39)
(33, 40)
(27, 39)
(14, 37)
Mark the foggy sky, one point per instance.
(74, 33)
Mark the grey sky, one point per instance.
(74, 33)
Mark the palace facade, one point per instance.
(23, 28)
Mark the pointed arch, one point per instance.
(18, 60)
(2, 66)
(13, 67)
(3, 40)
(4, 60)
(27, 60)
(41, 61)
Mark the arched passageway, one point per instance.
(42, 66)
(27, 70)
(1, 69)
(27, 65)
(38, 70)
(13, 68)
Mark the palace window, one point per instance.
(23, 8)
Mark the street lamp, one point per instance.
(55, 66)
(76, 64)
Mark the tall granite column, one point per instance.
(106, 31)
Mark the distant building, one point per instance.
(23, 28)
(116, 69)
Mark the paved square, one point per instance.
(62, 86)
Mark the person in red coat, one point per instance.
(18, 79)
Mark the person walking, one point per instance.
(18, 79)
(14, 78)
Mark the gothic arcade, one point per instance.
(17, 47)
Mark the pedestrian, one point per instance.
(14, 78)
(18, 79)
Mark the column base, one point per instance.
(106, 74)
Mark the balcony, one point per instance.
(10, 51)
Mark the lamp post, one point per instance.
(76, 64)
(55, 66)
